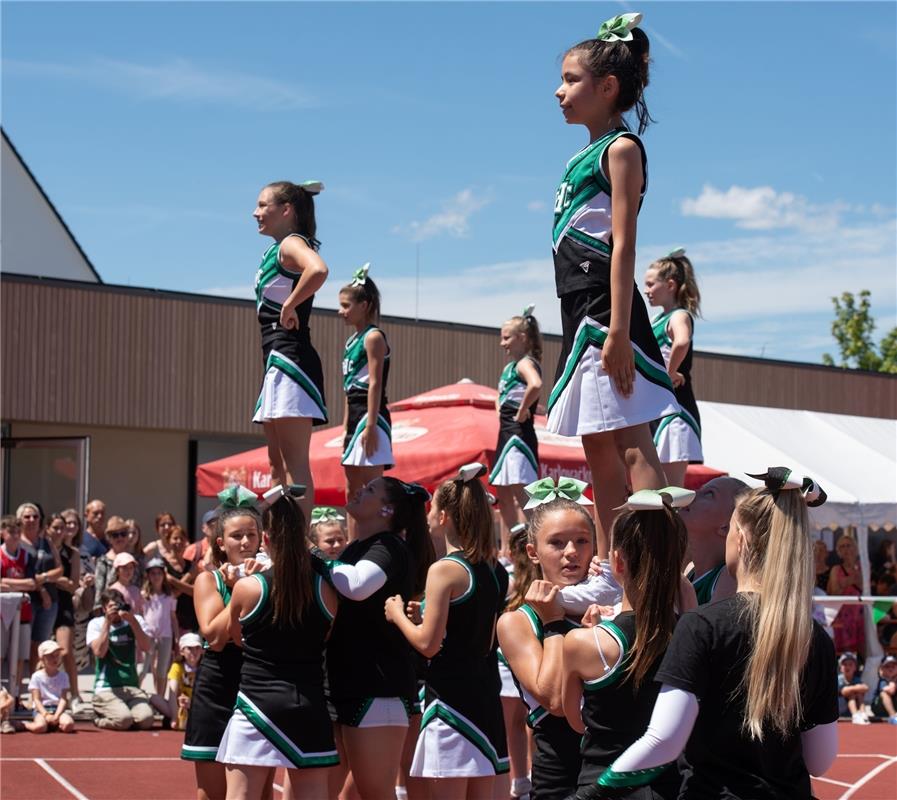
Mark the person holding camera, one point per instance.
(114, 638)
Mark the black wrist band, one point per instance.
(557, 627)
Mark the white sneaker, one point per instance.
(859, 719)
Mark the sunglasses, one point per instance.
(117, 534)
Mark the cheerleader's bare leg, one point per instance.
(608, 484)
(293, 440)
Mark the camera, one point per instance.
(123, 607)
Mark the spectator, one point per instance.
(6, 706)
(823, 570)
(58, 532)
(181, 678)
(161, 621)
(200, 552)
(884, 558)
(181, 575)
(135, 543)
(17, 575)
(49, 687)
(114, 638)
(119, 538)
(883, 704)
(851, 690)
(31, 518)
(164, 523)
(82, 599)
(45, 599)
(846, 578)
(125, 568)
(95, 543)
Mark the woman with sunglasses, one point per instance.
(119, 537)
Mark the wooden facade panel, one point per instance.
(134, 358)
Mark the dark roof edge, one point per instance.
(52, 207)
(224, 300)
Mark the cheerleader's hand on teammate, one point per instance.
(618, 361)
(595, 613)
(595, 567)
(252, 565)
(394, 608)
(289, 319)
(413, 612)
(677, 378)
(542, 597)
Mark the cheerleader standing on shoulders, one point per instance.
(367, 449)
(517, 451)
(292, 395)
(233, 548)
(559, 546)
(370, 666)
(283, 616)
(670, 283)
(611, 381)
(462, 738)
(608, 686)
(748, 684)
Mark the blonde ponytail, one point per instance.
(779, 556)
(680, 269)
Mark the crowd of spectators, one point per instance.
(89, 592)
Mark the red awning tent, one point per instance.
(433, 434)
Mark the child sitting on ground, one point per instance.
(851, 690)
(181, 677)
(49, 687)
(883, 705)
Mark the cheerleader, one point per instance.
(610, 381)
(559, 546)
(292, 395)
(236, 542)
(608, 684)
(517, 452)
(367, 449)
(282, 616)
(522, 572)
(462, 738)
(327, 532)
(670, 283)
(370, 666)
(748, 684)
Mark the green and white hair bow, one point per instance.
(528, 311)
(619, 28)
(780, 479)
(656, 499)
(325, 514)
(360, 276)
(677, 253)
(471, 471)
(312, 187)
(546, 490)
(238, 496)
(274, 494)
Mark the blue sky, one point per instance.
(152, 127)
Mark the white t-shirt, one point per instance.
(51, 688)
(95, 627)
(157, 610)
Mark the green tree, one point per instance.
(852, 328)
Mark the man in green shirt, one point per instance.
(118, 702)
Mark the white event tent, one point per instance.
(854, 459)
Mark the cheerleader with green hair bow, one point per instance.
(327, 532)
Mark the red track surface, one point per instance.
(101, 765)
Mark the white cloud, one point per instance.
(536, 205)
(763, 208)
(454, 219)
(176, 79)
